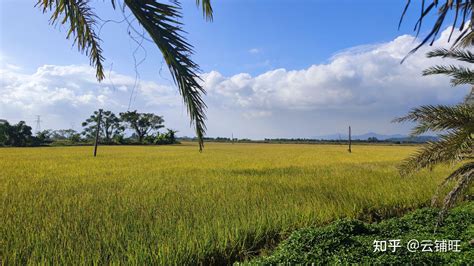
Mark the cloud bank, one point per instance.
(369, 77)
(366, 85)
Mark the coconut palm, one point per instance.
(161, 22)
(456, 123)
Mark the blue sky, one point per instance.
(286, 33)
(275, 68)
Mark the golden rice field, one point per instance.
(174, 205)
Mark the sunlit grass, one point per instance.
(174, 205)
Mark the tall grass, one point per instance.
(173, 205)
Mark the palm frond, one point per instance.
(206, 8)
(454, 176)
(82, 22)
(439, 118)
(161, 23)
(459, 54)
(459, 74)
(464, 176)
(451, 148)
(461, 8)
(466, 39)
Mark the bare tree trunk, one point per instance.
(350, 140)
(97, 133)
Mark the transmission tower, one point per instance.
(38, 123)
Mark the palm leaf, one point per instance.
(206, 8)
(454, 176)
(451, 148)
(439, 118)
(459, 74)
(467, 39)
(464, 176)
(161, 23)
(461, 8)
(82, 22)
(458, 54)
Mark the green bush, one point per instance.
(352, 241)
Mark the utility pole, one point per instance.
(350, 140)
(97, 132)
(38, 123)
(232, 140)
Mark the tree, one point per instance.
(66, 134)
(142, 123)
(161, 22)
(171, 135)
(462, 12)
(372, 139)
(109, 126)
(45, 136)
(18, 135)
(4, 132)
(21, 134)
(166, 138)
(456, 144)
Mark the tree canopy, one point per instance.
(109, 126)
(142, 123)
(18, 135)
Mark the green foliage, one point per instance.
(372, 139)
(49, 136)
(456, 53)
(168, 205)
(351, 241)
(120, 139)
(456, 144)
(161, 22)
(109, 126)
(66, 134)
(143, 124)
(45, 136)
(18, 135)
(166, 138)
(459, 74)
(4, 133)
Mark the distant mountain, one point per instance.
(394, 137)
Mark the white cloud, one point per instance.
(365, 86)
(70, 93)
(254, 51)
(256, 114)
(367, 77)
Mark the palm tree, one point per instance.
(161, 21)
(456, 144)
